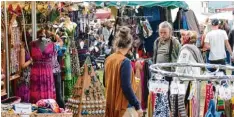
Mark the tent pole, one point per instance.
(34, 20)
(7, 52)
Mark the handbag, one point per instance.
(130, 112)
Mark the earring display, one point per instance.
(88, 94)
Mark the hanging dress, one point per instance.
(41, 78)
(23, 82)
(71, 62)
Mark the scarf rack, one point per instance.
(156, 68)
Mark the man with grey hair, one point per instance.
(166, 47)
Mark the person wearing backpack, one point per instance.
(166, 48)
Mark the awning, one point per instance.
(170, 4)
(102, 14)
(224, 15)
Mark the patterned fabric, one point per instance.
(71, 62)
(161, 106)
(15, 49)
(177, 105)
(232, 106)
(209, 96)
(211, 112)
(56, 66)
(228, 108)
(75, 64)
(147, 30)
(23, 83)
(194, 107)
(41, 78)
(48, 103)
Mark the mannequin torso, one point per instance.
(42, 43)
(70, 26)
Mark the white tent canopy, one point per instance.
(224, 15)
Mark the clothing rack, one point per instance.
(139, 59)
(156, 68)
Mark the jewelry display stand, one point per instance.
(88, 94)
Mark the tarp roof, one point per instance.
(170, 4)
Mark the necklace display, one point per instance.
(88, 94)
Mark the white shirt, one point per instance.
(216, 39)
(106, 33)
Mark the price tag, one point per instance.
(219, 74)
(225, 93)
(162, 88)
(137, 55)
(221, 92)
(23, 109)
(228, 94)
(182, 89)
(174, 88)
(158, 87)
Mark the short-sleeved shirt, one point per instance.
(216, 39)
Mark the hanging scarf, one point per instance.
(209, 96)
(161, 106)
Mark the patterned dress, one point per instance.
(161, 106)
(23, 82)
(71, 62)
(41, 78)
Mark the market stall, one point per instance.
(63, 81)
(154, 12)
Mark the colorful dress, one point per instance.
(23, 82)
(41, 79)
(71, 62)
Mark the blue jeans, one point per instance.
(207, 56)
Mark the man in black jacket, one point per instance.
(231, 40)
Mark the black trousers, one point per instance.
(221, 61)
(58, 88)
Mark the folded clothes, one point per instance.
(44, 110)
(49, 104)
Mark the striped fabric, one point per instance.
(178, 106)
